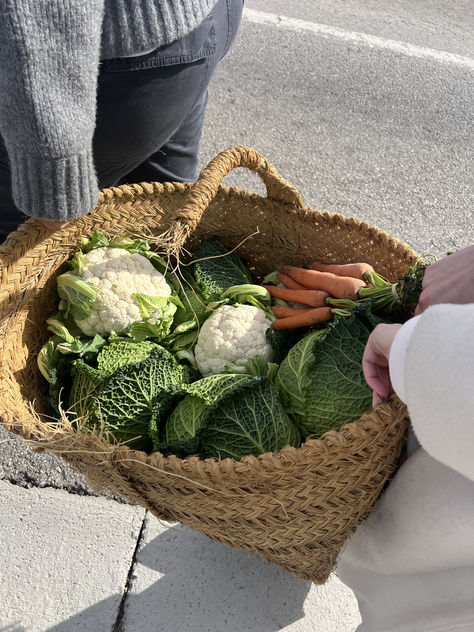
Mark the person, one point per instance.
(97, 93)
(411, 563)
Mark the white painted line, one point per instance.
(323, 30)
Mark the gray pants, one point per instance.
(150, 111)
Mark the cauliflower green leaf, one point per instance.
(193, 303)
(65, 343)
(48, 357)
(78, 296)
(97, 240)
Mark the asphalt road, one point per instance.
(368, 110)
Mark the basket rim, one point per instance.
(197, 467)
(16, 244)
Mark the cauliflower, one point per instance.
(118, 274)
(233, 335)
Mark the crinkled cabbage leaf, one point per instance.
(321, 382)
(129, 401)
(229, 416)
(216, 269)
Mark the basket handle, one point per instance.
(207, 186)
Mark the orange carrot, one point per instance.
(336, 286)
(354, 270)
(290, 283)
(311, 317)
(283, 311)
(314, 298)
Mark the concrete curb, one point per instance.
(82, 563)
(64, 559)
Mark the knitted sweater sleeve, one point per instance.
(49, 59)
(437, 359)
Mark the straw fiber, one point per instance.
(295, 508)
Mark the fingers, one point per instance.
(376, 400)
(375, 361)
(376, 373)
(420, 308)
(53, 224)
(423, 300)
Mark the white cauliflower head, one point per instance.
(118, 274)
(232, 335)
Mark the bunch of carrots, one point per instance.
(319, 287)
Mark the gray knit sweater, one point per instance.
(49, 58)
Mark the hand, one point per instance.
(375, 361)
(450, 280)
(53, 224)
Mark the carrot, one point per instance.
(314, 298)
(336, 286)
(283, 311)
(290, 283)
(309, 317)
(354, 270)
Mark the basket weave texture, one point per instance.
(295, 508)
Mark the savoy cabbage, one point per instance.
(321, 381)
(130, 393)
(216, 269)
(229, 415)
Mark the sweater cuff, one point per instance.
(53, 188)
(397, 356)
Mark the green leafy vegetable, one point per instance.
(65, 341)
(87, 380)
(131, 402)
(97, 240)
(86, 383)
(187, 418)
(78, 295)
(272, 278)
(395, 300)
(77, 263)
(283, 340)
(139, 246)
(229, 416)
(194, 305)
(261, 367)
(157, 313)
(321, 381)
(83, 347)
(242, 293)
(121, 351)
(216, 269)
(60, 384)
(48, 357)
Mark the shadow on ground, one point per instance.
(184, 581)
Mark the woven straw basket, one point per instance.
(295, 508)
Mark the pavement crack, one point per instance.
(29, 482)
(119, 621)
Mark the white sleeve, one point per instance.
(432, 370)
